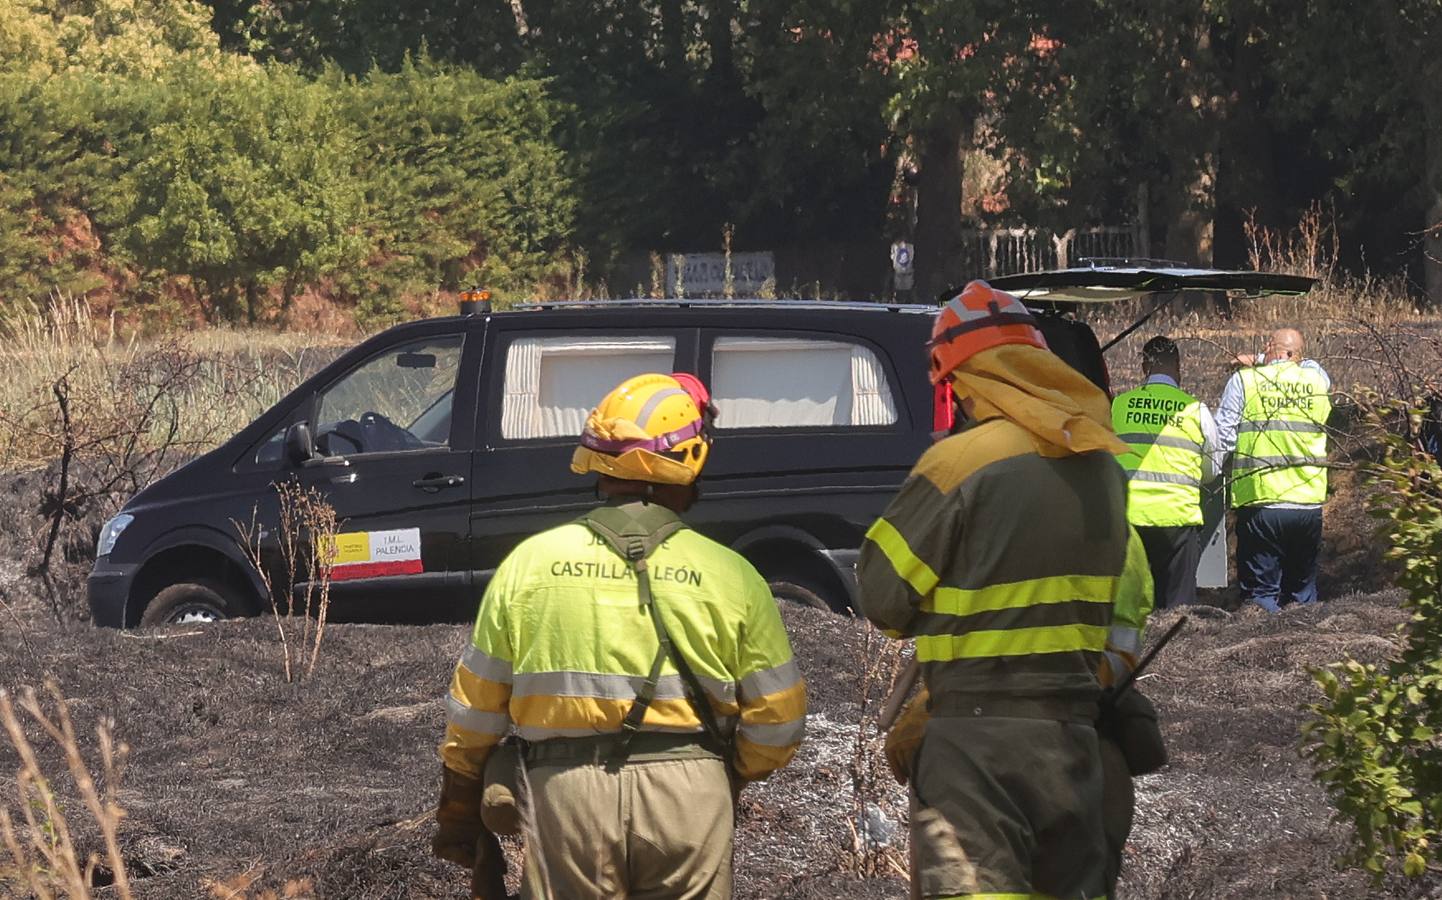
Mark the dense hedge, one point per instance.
(241, 185)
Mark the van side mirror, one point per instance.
(299, 445)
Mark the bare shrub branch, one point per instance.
(305, 541)
(43, 857)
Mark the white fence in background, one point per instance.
(1007, 251)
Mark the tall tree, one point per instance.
(954, 65)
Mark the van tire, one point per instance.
(199, 601)
(791, 592)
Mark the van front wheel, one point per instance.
(193, 602)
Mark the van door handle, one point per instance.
(433, 483)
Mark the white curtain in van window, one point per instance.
(794, 382)
(552, 384)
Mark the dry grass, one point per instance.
(44, 859)
(232, 375)
(1366, 332)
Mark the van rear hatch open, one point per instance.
(1111, 281)
(1107, 283)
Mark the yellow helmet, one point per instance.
(648, 429)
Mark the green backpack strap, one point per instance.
(634, 535)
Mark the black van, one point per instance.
(443, 443)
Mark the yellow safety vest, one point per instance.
(1163, 427)
(562, 646)
(1281, 451)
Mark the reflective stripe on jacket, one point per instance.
(1282, 439)
(1163, 427)
(1002, 563)
(1135, 599)
(562, 645)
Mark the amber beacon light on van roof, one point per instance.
(474, 301)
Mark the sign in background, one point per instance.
(903, 265)
(704, 274)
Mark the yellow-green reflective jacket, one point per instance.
(1135, 599)
(1281, 450)
(1002, 564)
(562, 645)
(1163, 427)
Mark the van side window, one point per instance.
(399, 399)
(798, 383)
(553, 383)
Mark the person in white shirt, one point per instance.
(1272, 419)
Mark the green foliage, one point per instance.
(463, 184)
(375, 151)
(358, 35)
(129, 37)
(246, 181)
(243, 185)
(1376, 740)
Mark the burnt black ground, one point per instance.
(234, 771)
(236, 777)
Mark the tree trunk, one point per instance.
(252, 301)
(287, 299)
(1191, 192)
(718, 36)
(673, 36)
(1246, 172)
(1432, 190)
(1432, 239)
(1193, 211)
(938, 208)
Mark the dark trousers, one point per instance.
(1172, 554)
(1277, 555)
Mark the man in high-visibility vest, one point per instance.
(644, 666)
(1172, 444)
(1273, 418)
(1001, 556)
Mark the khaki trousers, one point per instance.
(657, 830)
(1007, 806)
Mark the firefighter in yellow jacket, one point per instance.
(1001, 557)
(644, 667)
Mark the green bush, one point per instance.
(463, 183)
(1376, 739)
(155, 164)
(245, 182)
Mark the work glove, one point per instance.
(464, 840)
(459, 815)
(1130, 721)
(904, 738)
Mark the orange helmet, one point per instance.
(648, 429)
(977, 319)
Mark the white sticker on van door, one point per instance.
(367, 554)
